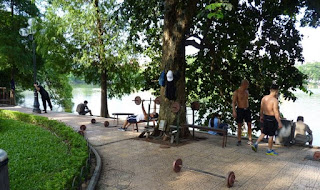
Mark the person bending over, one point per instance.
(242, 113)
(44, 96)
(140, 117)
(270, 117)
(300, 135)
(83, 109)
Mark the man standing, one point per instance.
(270, 117)
(44, 96)
(83, 109)
(242, 112)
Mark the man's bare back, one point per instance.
(269, 106)
(241, 98)
(268, 103)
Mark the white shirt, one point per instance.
(140, 117)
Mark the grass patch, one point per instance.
(43, 153)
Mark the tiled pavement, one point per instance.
(129, 163)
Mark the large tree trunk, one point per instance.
(103, 65)
(104, 100)
(177, 19)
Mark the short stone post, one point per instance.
(4, 174)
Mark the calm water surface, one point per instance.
(307, 106)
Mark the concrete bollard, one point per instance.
(4, 174)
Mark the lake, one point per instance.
(306, 106)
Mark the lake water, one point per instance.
(306, 106)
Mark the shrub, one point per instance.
(37, 157)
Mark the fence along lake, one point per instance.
(306, 106)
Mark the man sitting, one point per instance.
(83, 109)
(300, 135)
(140, 117)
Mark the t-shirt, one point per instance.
(140, 117)
(170, 90)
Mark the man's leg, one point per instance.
(49, 103)
(249, 131)
(89, 111)
(125, 124)
(44, 103)
(260, 138)
(270, 142)
(310, 141)
(255, 145)
(239, 133)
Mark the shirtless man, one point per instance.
(240, 98)
(270, 117)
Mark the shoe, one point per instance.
(45, 111)
(239, 143)
(272, 153)
(91, 115)
(51, 108)
(254, 147)
(250, 143)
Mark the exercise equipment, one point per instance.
(316, 155)
(175, 107)
(106, 123)
(81, 132)
(83, 127)
(230, 177)
(175, 134)
(195, 105)
(137, 100)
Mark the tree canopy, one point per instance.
(16, 53)
(256, 40)
(93, 39)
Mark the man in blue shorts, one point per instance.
(140, 117)
(270, 117)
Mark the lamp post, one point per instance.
(30, 31)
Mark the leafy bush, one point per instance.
(38, 158)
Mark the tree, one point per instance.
(16, 53)
(256, 40)
(97, 46)
(15, 57)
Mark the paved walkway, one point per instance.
(134, 164)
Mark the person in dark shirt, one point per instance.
(44, 96)
(83, 109)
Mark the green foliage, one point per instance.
(256, 40)
(38, 158)
(216, 9)
(16, 53)
(90, 37)
(312, 70)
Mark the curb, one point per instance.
(96, 174)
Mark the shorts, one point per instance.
(243, 114)
(270, 125)
(132, 119)
(83, 112)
